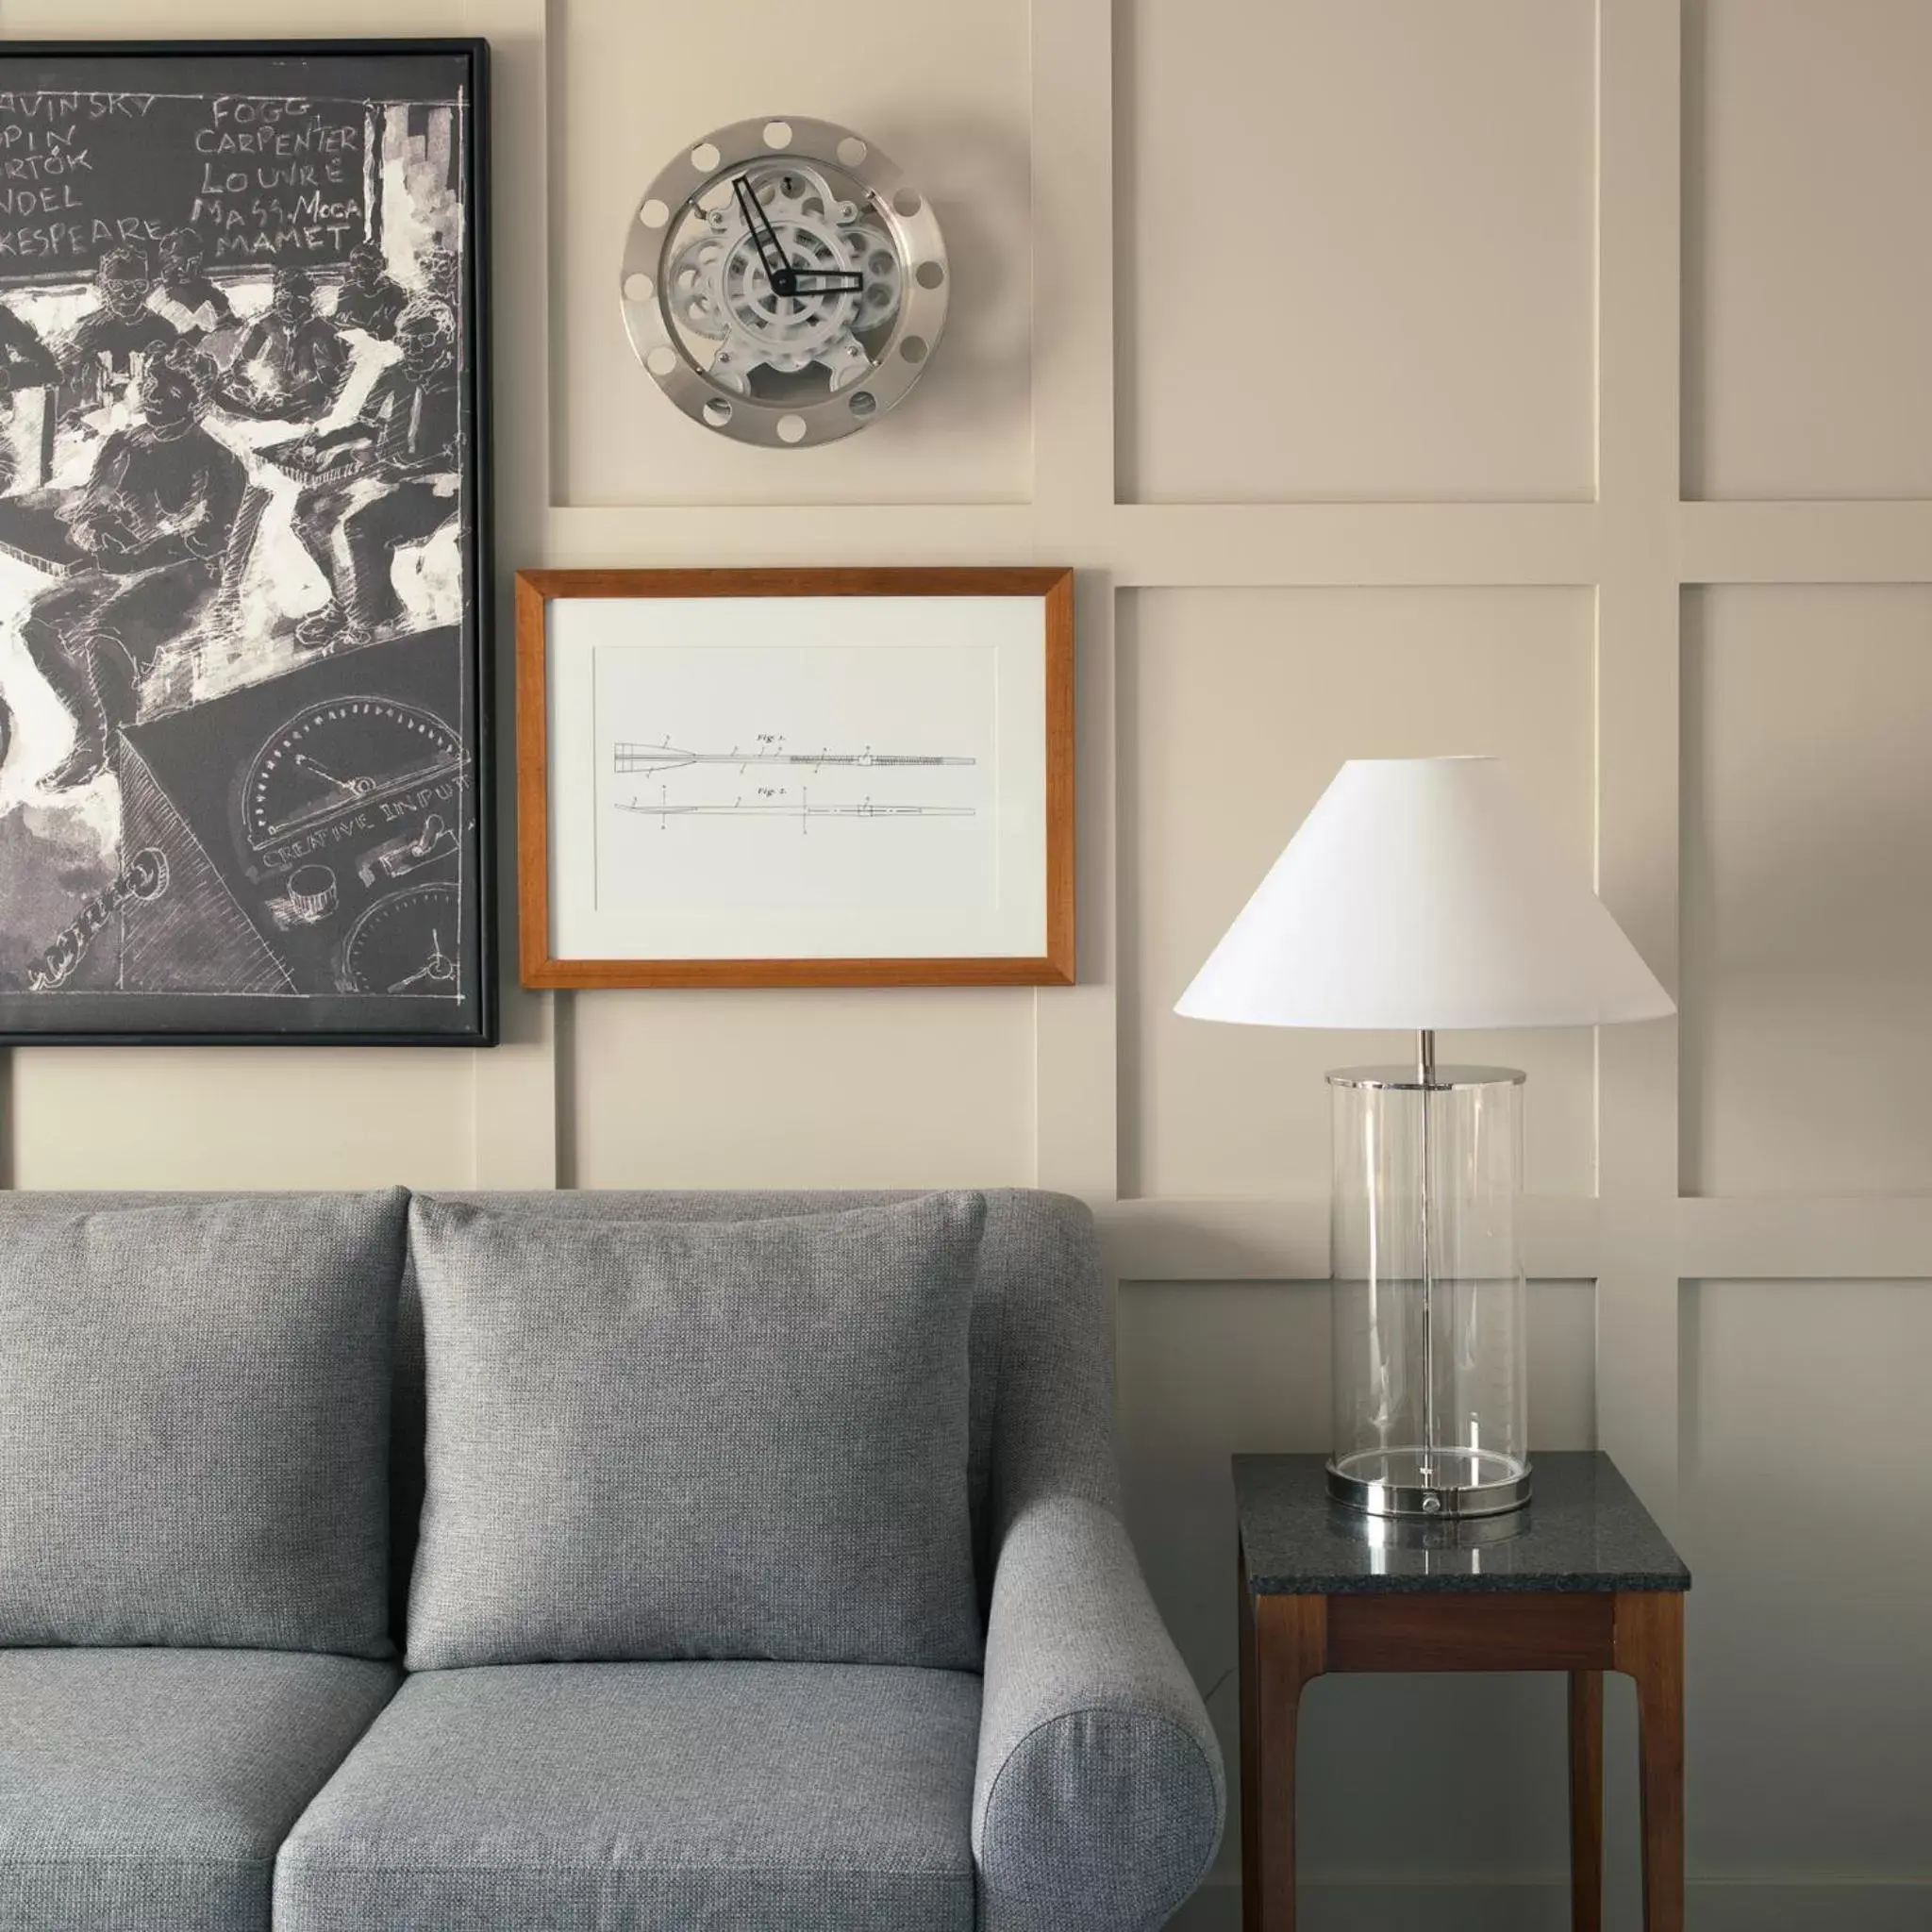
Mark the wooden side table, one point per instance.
(1582, 1581)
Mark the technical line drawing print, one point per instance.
(663, 811)
(648, 759)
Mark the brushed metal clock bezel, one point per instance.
(916, 235)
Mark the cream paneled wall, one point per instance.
(1444, 351)
(1822, 1439)
(259, 1117)
(1808, 916)
(1808, 363)
(910, 1088)
(1341, 344)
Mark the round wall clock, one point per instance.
(783, 282)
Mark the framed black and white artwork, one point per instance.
(245, 717)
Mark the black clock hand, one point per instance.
(777, 272)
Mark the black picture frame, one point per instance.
(208, 769)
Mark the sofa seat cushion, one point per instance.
(146, 1789)
(641, 1798)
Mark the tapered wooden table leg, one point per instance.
(1283, 1644)
(1586, 1800)
(1650, 1647)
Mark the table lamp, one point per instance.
(1421, 894)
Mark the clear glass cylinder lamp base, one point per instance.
(1429, 1329)
(1446, 1482)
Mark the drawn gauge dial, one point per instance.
(341, 756)
(406, 942)
(783, 282)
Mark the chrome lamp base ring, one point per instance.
(1447, 1483)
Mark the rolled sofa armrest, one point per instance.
(1099, 1798)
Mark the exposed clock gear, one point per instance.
(719, 290)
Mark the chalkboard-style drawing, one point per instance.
(386, 480)
(370, 299)
(153, 525)
(338, 771)
(186, 295)
(311, 896)
(244, 772)
(441, 270)
(396, 946)
(103, 355)
(30, 388)
(362, 751)
(24, 361)
(291, 363)
(144, 880)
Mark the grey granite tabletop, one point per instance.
(1583, 1530)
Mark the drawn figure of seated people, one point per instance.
(442, 270)
(369, 299)
(185, 297)
(25, 364)
(156, 516)
(291, 363)
(99, 361)
(398, 483)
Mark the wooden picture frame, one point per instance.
(543, 662)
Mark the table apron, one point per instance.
(1551, 1631)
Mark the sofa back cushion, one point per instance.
(653, 1439)
(1041, 1344)
(195, 1407)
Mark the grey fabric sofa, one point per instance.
(1072, 1781)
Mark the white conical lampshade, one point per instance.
(1422, 893)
